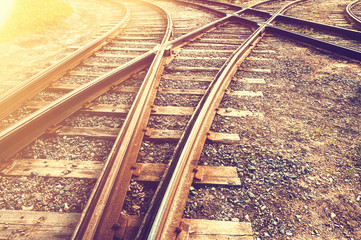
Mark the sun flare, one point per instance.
(5, 10)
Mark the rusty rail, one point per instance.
(351, 16)
(30, 128)
(96, 223)
(223, 4)
(15, 97)
(163, 219)
(308, 40)
(105, 205)
(215, 11)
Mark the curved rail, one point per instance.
(105, 203)
(320, 44)
(260, 3)
(163, 217)
(284, 7)
(223, 4)
(215, 11)
(15, 97)
(94, 222)
(28, 129)
(353, 34)
(351, 16)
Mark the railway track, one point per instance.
(330, 13)
(353, 13)
(114, 10)
(167, 112)
(87, 63)
(219, 6)
(271, 6)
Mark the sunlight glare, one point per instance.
(5, 10)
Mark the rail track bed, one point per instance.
(272, 6)
(321, 34)
(272, 156)
(30, 48)
(330, 12)
(118, 51)
(356, 9)
(191, 122)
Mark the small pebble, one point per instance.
(251, 195)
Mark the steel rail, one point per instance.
(25, 131)
(283, 9)
(317, 43)
(320, 44)
(251, 8)
(354, 34)
(269, 15)
(30, 128)
(247, 22)
(138, 63)
(163, 219)
(120, 163)
(351, 16)
(263, 2)
(15, 97)
(185, 39)
(215, 11)
(222, 4)
(184, 161)
(310, 41)
(179, 42)
(105, 204)
(256, 11)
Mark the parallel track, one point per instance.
(12, 100)
(184, 84)
(115, 48)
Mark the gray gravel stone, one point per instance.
(251, 195)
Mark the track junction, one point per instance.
(150, 104)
